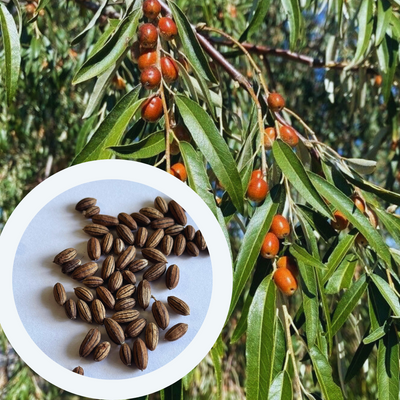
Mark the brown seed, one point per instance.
(177, 212)
(199, 240)
(189, 232)
(70, 309)
(115, 281)
(172, 277)
(84, 294)
(101, 351)
(155, 272)
(105, 220)
(114, 331)
(70, 266)
(84, 311)
(179, 245)
(154, 255)
(192, 249)
(125, 316)
(141, 236)
(126, 258)
(167, 244)
(94, 248)
(92, 339)
(91, 211)
(155, 238)
(140, 219)
(125, 234)
(59, 294)
(106, 297)
(160, 314)
(107, 243)
(162, 223)
(79, 371)
(125, 291)
(151, 213)
(125, 354)
(98, 311)
(119, 246)
(161, 205)
(144, 294)
(65, 256)
(152, 336)
(95, 230)
(178, 305)
(125, 304)
(138, 265)
(140, 356)
(174, 230)
(127, 220)
(129, 277)
(84, 271)
(93, 281)
(135, 328)
(85, 203)
(176, 332)
(108, 267)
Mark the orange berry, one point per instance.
(147, 59)
(340, 222)
(275, 102)
(269, 137)
(150, 78)
(152, 109)
(285, 281)
(151, 9)
(288, 263)
(358, 202)
(256, 174)
(361, 240)
(378, 80)
(119, 82)
(270, 246)
(289, 135)
(179, 171)
(280, 226)
(182, 135)
(167, 27)
(170, 70)
(257, 190)
(30, 9)
(148, 35)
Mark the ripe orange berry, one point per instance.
(30, 9)
(289, 135)
(270, 246)
(269, 137)
(340, 222)
(150, 78)
(361, 240)
(257, 190)
(167, 27)
(152, 109)
(119, 82)
(182, 135)
(170, 70)
(148, 35)
(358, 202)
(256, 174)
(179, 171)
(378, 80)
(151, 9)
(285, 281)
(275, 102)
(280, 226)
(147, 59)
(288, 263)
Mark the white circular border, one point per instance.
(220, 296)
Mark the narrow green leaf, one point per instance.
(12, 50)
(260, 344)
(341, 278)
(347, 303)
(84, 133)
(190, 44)
(259, 13)
(310, 301)
(292, 8)
(280, 348)
(205, 91)
(304, 256)
(384, 16)
(353, 214)
(148, 147)
(281, 387)
(112, 51)
(391, 223)
(252, 242)
(213, 147)
(109, 30)
(377, 334)
(111, 130)
(241, 326)
(323, 371)
(216, 359)
(387, 293)
(327, 315)
(173, 392)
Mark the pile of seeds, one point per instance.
(158, 231)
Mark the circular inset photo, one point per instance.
(117, 271)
